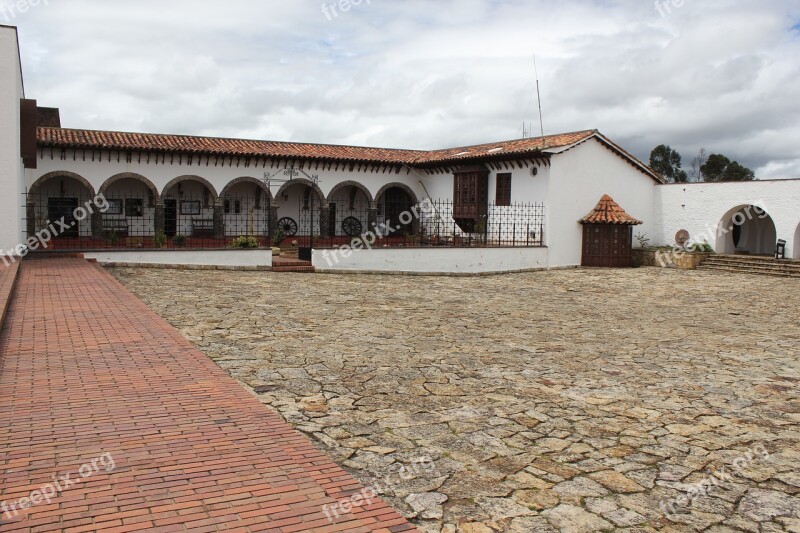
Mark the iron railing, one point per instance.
(75, 222)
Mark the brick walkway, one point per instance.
(86, 369)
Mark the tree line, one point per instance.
(704, 167)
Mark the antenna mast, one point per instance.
(538, 96)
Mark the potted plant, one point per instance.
(179, 241)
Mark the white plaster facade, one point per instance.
(11, 170)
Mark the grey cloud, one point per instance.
(428, 74)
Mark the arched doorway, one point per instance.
(796, 247)
(245, 204)
(351, 211)
(56, 198)
(395, 202)
(192, 210)
(132, 208)
(302, 210)
(746, 230)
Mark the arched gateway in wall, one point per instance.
(746, 230)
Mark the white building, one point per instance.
(520, 201)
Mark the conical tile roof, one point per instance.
(609, 212)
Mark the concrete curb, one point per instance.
(186, 267)
(440, 274)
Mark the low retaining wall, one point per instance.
(679, 260)
(8, 278)
(432, 261)
(189, 259)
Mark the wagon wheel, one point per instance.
(352, 227)
(288, 227)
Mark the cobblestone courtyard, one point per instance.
(572, 401)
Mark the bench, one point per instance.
(203, 227)
(119, 226)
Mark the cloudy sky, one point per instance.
(721, 75)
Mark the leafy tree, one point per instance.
(667, 162)
(720, 168)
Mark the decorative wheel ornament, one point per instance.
(288, 226)
(352, 227)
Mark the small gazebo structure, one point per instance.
(608, 235)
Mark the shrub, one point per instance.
(700, 248)
(246, 243)
(179, 241)
(160, 239)
(277, 239)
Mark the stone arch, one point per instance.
(132, 176)
(345, 184)
(756, 230)
(402, 186)
(246, 179)
(61, 174)
(198, 179)
(302, 181)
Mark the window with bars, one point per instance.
(503, 190)
(237, 207)
(134, 207)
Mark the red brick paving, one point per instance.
(86, 368)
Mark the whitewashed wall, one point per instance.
(579, 178)
(187, 258)
(97, 172)
(11, 170)
(434, 260)
(700, 207)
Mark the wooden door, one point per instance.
(607, 245)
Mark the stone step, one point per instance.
(285, 269)
(754, 258)
(784, 267)
(747, 270)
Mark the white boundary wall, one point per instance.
(12, 174)
(198, 258)
(700, 207)
(435, 260)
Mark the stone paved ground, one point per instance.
(573, 401)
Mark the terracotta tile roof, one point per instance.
(505, 148)
(90, 139)
(609, 212)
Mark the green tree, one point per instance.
(667, 162)
(720, 168)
